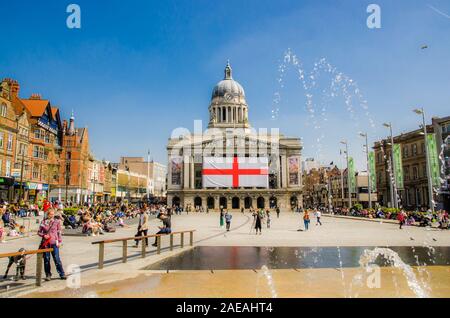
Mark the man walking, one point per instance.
(142, 226)
(318, 216)
(278, 212)
(228, 218)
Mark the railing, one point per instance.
(39, 255)
(101, 250)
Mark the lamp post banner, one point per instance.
(434, 160)
(398, 166)
(372, 172)
(352, 177)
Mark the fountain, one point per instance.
(369, 256)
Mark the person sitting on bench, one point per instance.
(165, 229)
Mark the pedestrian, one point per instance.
(401, 218)
(165, 229)
(50, 232)
(221, 217)
(228, 218)
(278, 212)
(258, 221)
(318, 216)
(142, 229)
(306, 219)
(268, 218)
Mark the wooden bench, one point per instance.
(39, 255)
(101, 250)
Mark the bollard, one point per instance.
(171, 242)
(101, 255)
(124, 251)
(182, 240)
(192, 238)
(143, 247)
(39, 269)
(158, 244)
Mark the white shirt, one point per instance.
(318, 214)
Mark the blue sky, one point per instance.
(138, 69)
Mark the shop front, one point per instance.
(6, 188)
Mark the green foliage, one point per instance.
(70, 211)
(358, 207)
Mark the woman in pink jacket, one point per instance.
(50, 231)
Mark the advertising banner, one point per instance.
(294, 168)
(352, 176)
(372, 172)
(434, 160)
(398, 166)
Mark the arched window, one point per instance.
(224, 114)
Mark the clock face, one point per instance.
(228, 97)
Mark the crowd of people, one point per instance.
(421, 218)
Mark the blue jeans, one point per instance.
(56, 259)
(306, 224)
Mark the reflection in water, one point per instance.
(249, 257)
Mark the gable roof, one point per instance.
(36, 107)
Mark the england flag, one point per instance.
(235, 172)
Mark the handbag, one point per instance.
(45, 242)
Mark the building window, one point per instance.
(47, 137)
(405, 152)
(10, 142)
(8, 168)
(35, 171)
(22, 149)
(35, 151)
(1, 140)
(415, 173)
(414, 149)
(3, 110)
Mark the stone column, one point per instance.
(191, 172)
(216, 203)
(241, 202)
(279, 174)
(284, 172)
(186, 172)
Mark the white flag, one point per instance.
(235, 172)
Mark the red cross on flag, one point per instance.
(235, 172)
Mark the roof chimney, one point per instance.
(14, 86)
(35, 96)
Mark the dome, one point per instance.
(228, 85)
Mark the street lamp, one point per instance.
(420, 111)
(344, 142)
(368, 169)
(393, 187)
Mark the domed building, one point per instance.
(231, 165)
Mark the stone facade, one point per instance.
(229, 134)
